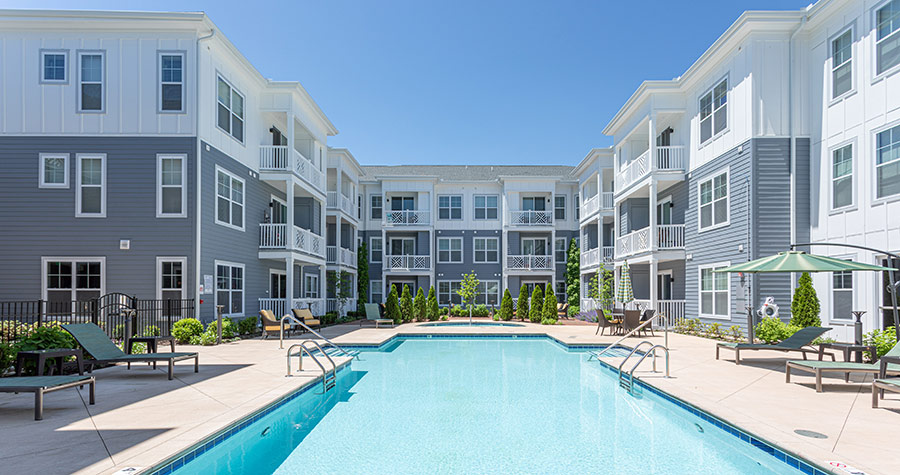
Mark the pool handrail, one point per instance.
(307, 328)
(597, 355)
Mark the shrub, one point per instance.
(693, 326)
(118, 331)
(481, 311)
(458, 311)
(536, 312)
(419, 306)
(329, 318)
(195, 340)
(444, 318)
(406, 306)
(228, 328)
(151, 330)
(444, 310)
(805, 305)
(883, 340)
(548, 321)
(392, 307)
(7, 356)
(573, 274)
(714, 330)
(44, 337)
(248, 325)
(736, 333)
(550, 312)
(186, 328)
(506, 306)
(573, 310)
(772, 330)
(432, 311)
(209, 338)
(522, 303)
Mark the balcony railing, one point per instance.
(335, 200)
(668, 236)
(530, 218)
(334, 305)
(407, 218)
(529, 262)
(599, 202)
(608, 254)
(606, 200)
(276, 158)
(672, 309)
(668, 158)
(590, 258)
(274, 236)
(340, 255)
(407, 262)
(279, 307)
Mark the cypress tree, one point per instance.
(805, 305)
(433, 312)
(537, 305)
(419, 305)
(522, 303)
(549, 308)
(506, 306)
(573, 274)
(392, 307)
(406, 305)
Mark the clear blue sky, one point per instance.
(465, 82)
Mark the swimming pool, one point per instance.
(473, 324)
(480, 405)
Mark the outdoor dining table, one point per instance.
(618, 320)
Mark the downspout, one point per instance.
(792, 134)
(198, 159)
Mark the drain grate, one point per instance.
(810, 433)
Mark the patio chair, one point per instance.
(271, 325)
(603, 323)
(796, 342)
(881, 383)
(562, 310)
(40, 385)
(632, 320)
(646, 317)
(103, 350)
(846, 367)
(372, 315)
(305, 315)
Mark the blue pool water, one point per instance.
(473, 324)
(480, 405)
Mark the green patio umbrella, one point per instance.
(799, 261)
(624, 292)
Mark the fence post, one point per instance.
(40, 313)
(219, 309)
(169, 315)
(95, 312)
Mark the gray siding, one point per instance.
(454, 271)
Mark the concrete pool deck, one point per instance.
(141, 418)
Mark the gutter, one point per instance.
(198, 159)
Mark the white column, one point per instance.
(654, 270)
(652, 145)
(289, 295)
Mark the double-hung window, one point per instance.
(375, 249)
(311, 286)
(842, 177)
(561, 291)
(54, 170)
(230, 110)
(714, 292)
(171, 277)
(577, 207)
(53, 66)
(714, 201)
(842, 295)
(376, 291)
(229, 200)
(714, 111)
(69, 280)
(359, 204)
(450, 250)
(375, 207)
(90, 193)
(171, 82)
(450, 207)
(487, 250)
(560, 250)
(842, 64)
(170, 200)
(230, 287)
(887, 37)
(486, 206)
(90, 81)
(448, 292)
(887, 162)
(488, 293)
(559, 211)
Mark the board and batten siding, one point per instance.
(40, 222)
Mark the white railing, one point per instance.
(633, 171)
(348, 257)
(606, 200)
(272, 236)
(530, 218)
(306, 170)
(528, 262)
(633, 242)
(589, 304)
(672, 309)
(670, 157)
(335, 200)
(590, 206)
(334, 305)
(670, 236)
(406, 218)
(331, 255)
(407, 262)
(316, 306)
(277, 306)
(306, 241)
(608, 254)
(590, 258)
(275, 158)
(331, 200)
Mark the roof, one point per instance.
(468, 172)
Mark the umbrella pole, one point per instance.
(750, 331)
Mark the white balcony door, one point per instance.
(403, 203)
(279, 211)
(533, 203)
(664, 285)
(534, 247)
(277, 284)
(403, 247)
(664, 212)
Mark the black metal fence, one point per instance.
(110, 312)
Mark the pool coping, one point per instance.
(182, 457)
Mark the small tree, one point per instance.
(392, 307)
(468, 290)
(522, 303)
(362, 274)
(606, 291)
(506, 306)
(419, 305)
(406, 305)
(805, 305)
(340, 286)
(432, 311)
(537, 305)
(573, 274)
(550, 312)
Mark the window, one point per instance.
(842, 177)
(714, 292)
(559, 211)
(403, 203)
(376, 291)
(449, 250)
(230, 288)
(171, 195)
(229, 200)
(54, 170)
(488, 293)
(230, 111)
(887, 40)
(487, 250)
(375, 210)
(842, 295)
(67, 280)
(534, 247)
(171, 82)
(842, 64)
(53, 67)
(311, 286)
(450, 207)
(90, 195)
(533, 203)
(714, 202)
(714, 111)
(402, 246)
(486, 206)
(359, 201)
(560, 248)
(375, 249)
(577, 207)
(171, 277)
(561, 291)
(90, 82)
(887, 162)
(448, 292)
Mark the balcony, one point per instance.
(594, 257)
(407, 263)
(668, 236)
(337, 201)
(599, 202)
(274, 236)
(406, 218)
(529, 262)
(275, 158)
(335, 255)
(530, 218)
(669, 158)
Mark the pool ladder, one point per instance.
(626, 378)
(328, 380)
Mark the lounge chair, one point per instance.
(603, 323)
(271, 325)
(40, 385)
(562, 310)
(846, 367)
(103, 350)
(882, 385)
(647, 316)
(305, 315)
(796, 342)
(372, 315)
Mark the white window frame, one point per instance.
(230, 200)
(700, 269)
(102, 82)
(475, 207)
(159, 186)
(557, 208)
(376, 284)
(481, 298)
(875, 165)
(565, 250)
(311, 286)
(372, 207)
(78, 185)
(372, 248)
(711, 178)
(450, 250)
(449, 302)
(402, 239)
(65, 54)
(159, 265)
(832, 67)
(161, 83)
(233, 90)
(712, 117)
(848, 318)
(216, 289)
(280, 273)
(876, 76)
(451, 207)
(831, 151)
(576, 203)
(563, 296)
(42, 176)
(486, 250)
(73, 260)
(548, 251)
